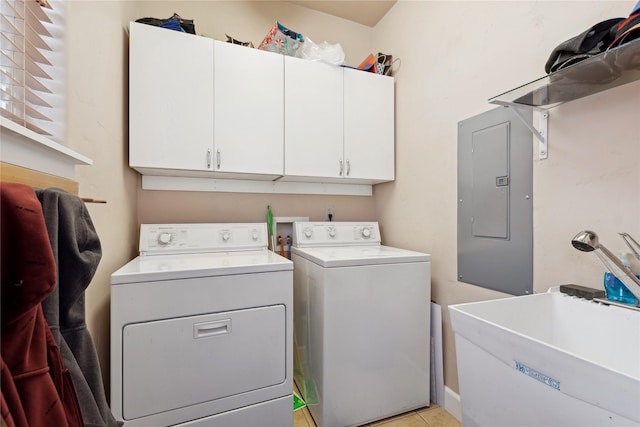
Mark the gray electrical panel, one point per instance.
(495, 213)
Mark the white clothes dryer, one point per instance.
(201, 329)
(361, 323)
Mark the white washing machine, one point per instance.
(202, 329)
(361, 323)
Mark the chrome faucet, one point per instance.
(629, 240)
(587, 241)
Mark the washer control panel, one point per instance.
(309, 234)
(197, 238)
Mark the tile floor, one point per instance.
(433, 416)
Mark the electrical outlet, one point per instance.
(329, 213)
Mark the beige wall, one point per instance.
(251, 20)
(97, 127)
(455, 56)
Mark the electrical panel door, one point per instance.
(495, 213)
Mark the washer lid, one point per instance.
(186, 266)
(347, 256)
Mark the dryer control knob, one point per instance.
(225, 235)
(332, 232)
(308, 232)
(366, 232)
(164, 238)
(254, 235)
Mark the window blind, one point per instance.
(32, 65)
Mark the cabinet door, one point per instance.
(313, 119)
(249, 110)
(170, 99)
(368, 126)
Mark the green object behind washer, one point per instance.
(298, 403)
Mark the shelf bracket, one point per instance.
(541, 133)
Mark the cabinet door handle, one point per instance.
(218, 158)
(348, 167)
(340, 167)
(208, 158)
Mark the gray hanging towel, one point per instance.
(77, 251)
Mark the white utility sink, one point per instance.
(547, 360)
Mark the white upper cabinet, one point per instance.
(205, 108)
(170, 99)
(339, 124)
(249, 110)
(313, 138)
(200, 107)
(368, 126)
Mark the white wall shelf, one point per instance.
(176, 183)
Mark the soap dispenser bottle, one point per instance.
(616, 290)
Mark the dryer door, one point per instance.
(174, 363)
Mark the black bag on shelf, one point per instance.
(627, 30)
(585, 45)
(176, 22)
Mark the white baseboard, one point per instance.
(452, 403)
